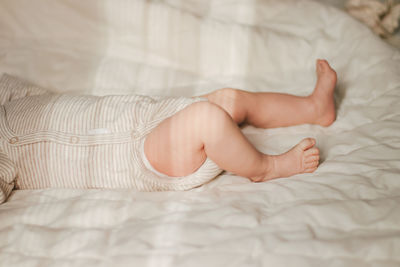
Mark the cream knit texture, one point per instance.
(58, 140)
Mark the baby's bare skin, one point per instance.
(181, 143)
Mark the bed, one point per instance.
(347, 213)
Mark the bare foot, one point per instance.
(304, 157)
(322, 97)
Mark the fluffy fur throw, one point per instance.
(381, 17)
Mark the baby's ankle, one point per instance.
(267, 170)
(322, 109)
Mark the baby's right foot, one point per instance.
(322, 97)
(302, 158)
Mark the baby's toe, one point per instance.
(311, 165)
(312, 158)
(306, 144)
(311, 152)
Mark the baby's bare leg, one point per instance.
(270, 110)
(181, 143)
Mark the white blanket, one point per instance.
(347, 213)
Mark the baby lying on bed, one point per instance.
(150, 143)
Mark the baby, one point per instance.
(150, 143)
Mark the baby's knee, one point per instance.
(209, 110)
(232, 101)
(226, 93)
(208, 115)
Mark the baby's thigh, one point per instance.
(175, 147)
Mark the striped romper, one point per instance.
(50, 140)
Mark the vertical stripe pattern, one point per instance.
(86, 141)
(8, 173)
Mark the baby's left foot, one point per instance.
(322, 97)
(302, 158)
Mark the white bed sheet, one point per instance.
(347, 213)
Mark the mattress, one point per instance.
(347, 213)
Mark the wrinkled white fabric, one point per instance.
(347, 213)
